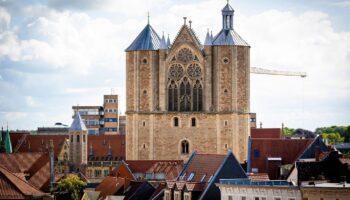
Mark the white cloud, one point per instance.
(345, 4)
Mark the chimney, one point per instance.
(52, 167)
(317, 153)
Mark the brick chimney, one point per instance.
(317, 153)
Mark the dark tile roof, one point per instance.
(265, 133)
(144, 191)
(13, 187)
(202, 171)
(287, 149)
(310, 150)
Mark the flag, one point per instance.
(8, 146)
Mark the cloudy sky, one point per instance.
(59, 53)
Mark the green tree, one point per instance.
(333, 138)
(72, 185)
(347, 135)
(287, 131)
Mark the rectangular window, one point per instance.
(78, 138)
(106, 172)
(277, 198)
(243, 198)
(97, 173)
(193, 122)
(230, 198)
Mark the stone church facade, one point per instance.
(186, 95)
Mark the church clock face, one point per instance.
(194, 71)
(185, 55)
(176, 71)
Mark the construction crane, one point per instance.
(256, 70)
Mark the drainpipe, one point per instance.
(249, 151)
(52, 168)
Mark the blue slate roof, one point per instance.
(208, 39)
(229, 37)
(77, 124)
(310, 150)
(148, 39)
(168, 42)
(227, 8)
(163, 44)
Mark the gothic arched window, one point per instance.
(185, 91)
(197, 97)
(185, 95)
(185, 147)
(173, 97)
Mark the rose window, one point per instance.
(185, 55)
(194, 71)
(176, 71)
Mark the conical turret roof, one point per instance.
(148, 39)
(163, 44)
(77, 124)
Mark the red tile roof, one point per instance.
(37, 143)
(288, 149)
(204, 164)
(111, 185)
(13, 187)
(265, 133)
(101, 144)
(33, 166)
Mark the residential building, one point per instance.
(129, 178)
(276, 156)
(187, 96)
(326, 191)
(100, 119)
(246, 189)
(200, 174)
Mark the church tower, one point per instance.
(187, 96)
(78, 143)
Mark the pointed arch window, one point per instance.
(173, 97)
(185, 95)
(185, 147)
(197, 96)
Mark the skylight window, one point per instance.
(190, 177)
(203, 177)
(211, 177)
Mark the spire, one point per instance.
(77, 124)
(208, 40)
(8, 145)
(148, 39)
(227, 17)
(168, 43)
(163, 44)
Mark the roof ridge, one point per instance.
(17, 185)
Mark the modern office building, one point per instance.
(100, 119)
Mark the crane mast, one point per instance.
(256, 70)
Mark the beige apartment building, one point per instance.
(101, 119)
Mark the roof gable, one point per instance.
(186, 35)
(310, 150)
(14, 187)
